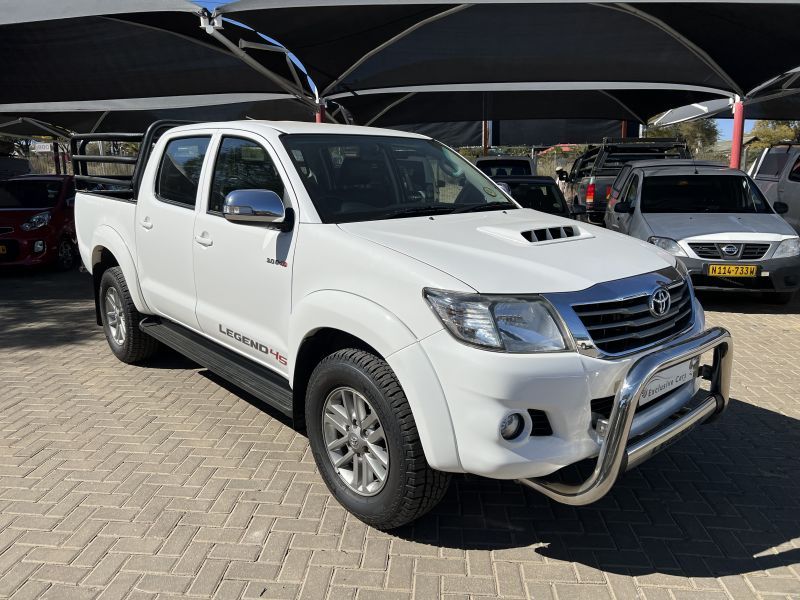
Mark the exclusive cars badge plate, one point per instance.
(660, 302)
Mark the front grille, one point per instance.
(5, 230)
(620, 326)
(753, 251)
(706, 250)
(11, 250)
(541, 424)
(748, 251)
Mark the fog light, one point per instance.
(38, 246)
(511, 426)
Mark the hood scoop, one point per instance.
(541, 235)
(549, 234)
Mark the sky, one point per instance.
(726, 128)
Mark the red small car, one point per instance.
(37, 221)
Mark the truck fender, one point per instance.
(395, 342)
(109, 238)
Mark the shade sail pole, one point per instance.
(738, 133)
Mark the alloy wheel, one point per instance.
(115, 316)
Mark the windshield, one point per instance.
(29, 193)
(500, 168)
(366, 178)
(543, 196)
(702, 193)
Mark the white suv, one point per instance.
(387, 295)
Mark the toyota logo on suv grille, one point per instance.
(660, 302)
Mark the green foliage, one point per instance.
(700, 134)
(773, 132)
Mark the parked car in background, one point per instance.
(538, 193)
(714, 219)
(589, 183)
(502, 165)
(412, 329)
(777, 174)
(37, 223)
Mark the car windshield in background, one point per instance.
(542, 196)
(702, 194)
(29, 193)
(368, 178)
(501, 168)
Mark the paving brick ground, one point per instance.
(131, 482)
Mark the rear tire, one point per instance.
(344, 430)
(121, 320)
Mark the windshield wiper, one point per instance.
(484, 206)
(417, 211)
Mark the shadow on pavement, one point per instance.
(719, 503)
(747, 303)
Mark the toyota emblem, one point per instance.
(660, 302)
(730, 250)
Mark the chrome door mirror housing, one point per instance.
(254, 206)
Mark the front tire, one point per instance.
(67, 255)
(780, 297)
(365, 441)
(121, 320)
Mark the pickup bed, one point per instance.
(397, 305)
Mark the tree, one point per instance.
(699, 134)
(773, 132)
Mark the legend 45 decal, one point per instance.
(263, 348)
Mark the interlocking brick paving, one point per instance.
(163, 481)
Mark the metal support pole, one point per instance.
(738, 133)
(624, 128)
(485, 141)
(319, 116)
(56, 158)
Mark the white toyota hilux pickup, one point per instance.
(399, 306)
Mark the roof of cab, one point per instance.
(683, 166)
(291, 127)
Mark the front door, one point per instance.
(789, 193)
(165, 218)
(243, 271)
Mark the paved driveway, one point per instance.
(131, 482)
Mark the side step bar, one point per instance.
(255, 379)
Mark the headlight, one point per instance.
(36, 221)
(667, 244)
(682, 269)
(787, 248)
(509, 324)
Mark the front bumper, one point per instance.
(21, 251)
(618, 453)
(774, 275)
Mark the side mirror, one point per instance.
(577, 209)
(780, 207)
(504, 186)
(254, 206)
(623, 208)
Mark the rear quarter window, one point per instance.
(179, 171)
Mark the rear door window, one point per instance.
(179, 172)
(794, 174)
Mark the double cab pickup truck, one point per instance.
(590, 182)
(393, 301)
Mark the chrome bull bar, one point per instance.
(616, 455)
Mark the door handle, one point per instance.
(203, 240)
(146, 223)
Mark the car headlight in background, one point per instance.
(684, 272)
(503, 323)
(667, 244)
(787, 248)
(36, 221)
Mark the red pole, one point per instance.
(738, 134)
(320, 114)
(624, 129)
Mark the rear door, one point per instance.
(165, 216)
(243, 270)
(789, 192)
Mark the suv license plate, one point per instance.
(669, 379)
(732, 270)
